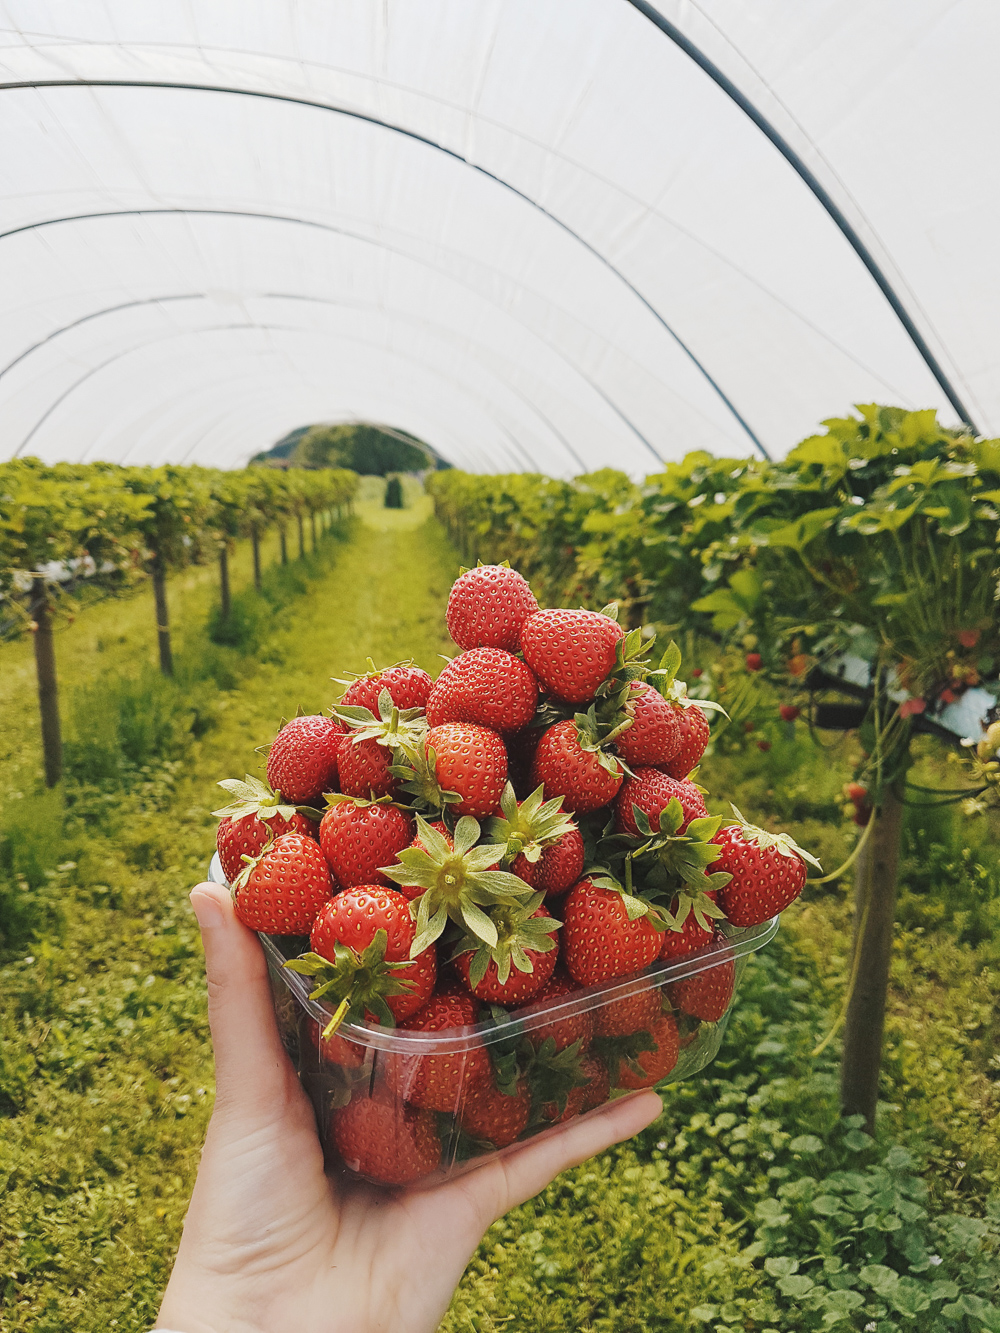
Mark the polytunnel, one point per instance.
(540, 234)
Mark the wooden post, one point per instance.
(255, 541)
(162, 616)
(48, 686)
(284, 544)
(224, 596)
(874, 916)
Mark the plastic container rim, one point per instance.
(741, 941)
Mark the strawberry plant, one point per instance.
(864, 564)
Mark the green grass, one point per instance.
(105, 1068)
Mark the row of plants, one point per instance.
(80, 526)
(859, 577)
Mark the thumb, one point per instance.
(251, 1065)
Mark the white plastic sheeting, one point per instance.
(533, 232)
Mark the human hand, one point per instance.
(270, 1243)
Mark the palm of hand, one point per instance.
(270, 1242)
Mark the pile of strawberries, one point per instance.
(523, 828)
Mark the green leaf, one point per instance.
(881, 1279)
(796, 1285)
(781, 1267)
(826, 1205)
(807, 1143)
(670, 662)
(479, 923)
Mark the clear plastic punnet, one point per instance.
(407, 1108)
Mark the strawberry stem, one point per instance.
(338, 1018)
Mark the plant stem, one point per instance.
(875, 912)
(48, 687)
(224, 597)
(162, 616)
(255, 542)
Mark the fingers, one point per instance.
(523, 1174)
(250, 1061)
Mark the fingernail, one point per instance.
(207, 911)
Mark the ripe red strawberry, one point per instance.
(652, 791)
(472, 761)
(768, 872)
(499, 974)
(332, 1050)
(586, 779)
(487, 686)
(408, 687)
(595, 1092)
(571, 652)
(599, 942)
(248, 836)
(557, 869)
(252, 819)
(655, 735)
(364, 769)
(632, 1013)
(354, 918)
(559, 992)
(302, 760)
(657, 1064)
(691, 936)
(380, 1138)
(283, 890)
(436, 1081)
(489, 1114)
(487, 607)
(358, 838)
(695, 733)
(707, 994)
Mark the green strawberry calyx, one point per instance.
(782, 843)
(357, 982)
(253, 797)
(457, 882)
(394, 728)
(482, 564)
(683, 857)
(594, 735)
(636, 904)
(550, 1074)
(250, 864)
(372, 673)
(620, 1053)
(630, 663)
(527, 827)
(518, 932)
(417, 770)
(664, 678)
(341, 798)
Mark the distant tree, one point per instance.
(393, 493)
(364, 449)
